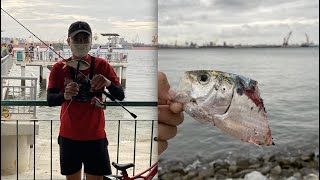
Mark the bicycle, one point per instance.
(145, 175)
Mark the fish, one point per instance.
(228, 101)
(74, 63)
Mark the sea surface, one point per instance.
(288, 79)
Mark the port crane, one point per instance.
(307, 38)
(155, 39)
(286, 39)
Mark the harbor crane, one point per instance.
(308, 43)
(155, 39)
(286, 39)
(307, 38)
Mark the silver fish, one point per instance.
(74, 63)
(230, 102)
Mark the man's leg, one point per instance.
(70, 158)
(96, 159)
(75, 176)
(93, 177)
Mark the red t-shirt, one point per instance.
(81, 120)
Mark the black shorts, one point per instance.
(93, 154)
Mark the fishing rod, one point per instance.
(31, 33)
(78, 71)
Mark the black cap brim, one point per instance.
(78, 31)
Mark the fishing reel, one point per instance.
(85, 94)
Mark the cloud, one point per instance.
(237, 21)
(51, 19)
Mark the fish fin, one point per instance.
(258, 145)
(254, 142)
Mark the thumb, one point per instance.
(164, 87)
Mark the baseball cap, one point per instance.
(79, 26)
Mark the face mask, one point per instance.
(80, 50)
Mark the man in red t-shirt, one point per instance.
(82, 137)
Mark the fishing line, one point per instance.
(31, 33)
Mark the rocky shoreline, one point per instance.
(273, 167)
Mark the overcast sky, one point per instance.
(134, 20)
(237, 21)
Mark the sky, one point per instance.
(237, 21)
(136, 20)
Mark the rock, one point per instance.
(254, 166)
(305, 171)
(266, 158)
(307, 157)
(177, 168)
(233, 169)
(219, 164)
(171, 176)
(177, 178)
(292, 178)
(222, 171)
(243, 164)
(297, 175)
(206, 173)
(240, 174)
(273, 158)
(219, 176)
(287, 172)
(287, 162)
(276, 170)
(265, 169)
(191, 174)
(311, 176)
(255, 175)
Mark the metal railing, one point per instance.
(152, 128)
(120, 57)
(6, 64)
(24, 88)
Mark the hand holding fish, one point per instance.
(71, 90)
(169, 114)
(228, 101)
(99, 81)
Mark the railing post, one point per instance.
(23, 74)
(34, 98)
(123, 76)
(2, 95)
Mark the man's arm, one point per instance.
(54, 98)
(116, 91)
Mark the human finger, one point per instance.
(94, 80)
(166, 132)
(163, 87)
(166, 116)
(100, 84)
(162, 146)
(176, 107)
(72, 89)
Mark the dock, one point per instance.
(119, 62)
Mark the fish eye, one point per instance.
(203, 79)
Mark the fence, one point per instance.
(24, 88)
(6, 64)
(44, 55)
(131, 128)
